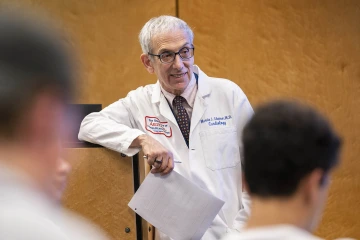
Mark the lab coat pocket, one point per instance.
(220, 148)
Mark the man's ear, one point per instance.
(245, 186)
(145, 59)
(312, 184)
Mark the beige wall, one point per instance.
(304, 49)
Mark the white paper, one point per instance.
(175, 206)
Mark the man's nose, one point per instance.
(178, 62)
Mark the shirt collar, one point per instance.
(187, 94)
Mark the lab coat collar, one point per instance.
(203, 89)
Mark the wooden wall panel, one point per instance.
(100, 187)
(303, 49)
(105, 35)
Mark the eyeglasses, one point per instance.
(167, 57)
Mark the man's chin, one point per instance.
(178, 90)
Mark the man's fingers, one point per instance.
(160, 160)
(157, 164)
(155, 170)
(164, 163)
(169, 167)
(171, 163)
(166, 171)
(151, 160)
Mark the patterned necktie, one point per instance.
(182, 117)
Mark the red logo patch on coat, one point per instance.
(153, 125)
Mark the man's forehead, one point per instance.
(171, 41)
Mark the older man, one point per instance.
(290, 151)
(186, 119)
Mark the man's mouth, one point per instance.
(178, 75)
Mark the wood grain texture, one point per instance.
(100, 187)
(307, 50)
(105, 36)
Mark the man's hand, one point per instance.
(156, 154)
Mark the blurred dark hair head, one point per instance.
(284, 142)
(34, 58)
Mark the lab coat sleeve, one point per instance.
(244, 112)
(113, 127)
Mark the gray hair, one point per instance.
(162, 24)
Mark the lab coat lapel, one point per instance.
(198, 112)
(164, 108)
(200, 103)
(166, 111)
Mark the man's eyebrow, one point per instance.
(167, 50)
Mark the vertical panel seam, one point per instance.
(177, 8)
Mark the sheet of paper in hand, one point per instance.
(175, 206)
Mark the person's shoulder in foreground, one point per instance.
(34, 218)
(290, 151)
(278, 232)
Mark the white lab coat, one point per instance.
(212, 160)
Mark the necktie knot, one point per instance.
(178, 100)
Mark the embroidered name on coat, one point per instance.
(214, 121)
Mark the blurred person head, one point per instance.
(36, 82)
(290, 151)
(168, 51)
